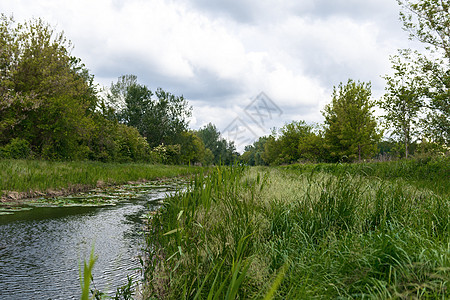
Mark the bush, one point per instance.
(17, 148)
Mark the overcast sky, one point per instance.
(222, 54)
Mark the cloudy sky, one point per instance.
(222, 54)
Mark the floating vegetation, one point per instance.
(107, 196)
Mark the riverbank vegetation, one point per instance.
(302, 232)
(34, 178)
(50, 108)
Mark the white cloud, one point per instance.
(220, 54)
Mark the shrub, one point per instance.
(17, 148)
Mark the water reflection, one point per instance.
(41, 249)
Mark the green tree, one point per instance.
(402, 102)
(312, 146)
(193, 149)
(272, 150)
(224, 152)
(47, 96)
(298, 141)
(436, 75)
(350, 127)
(428, 21)
(253, 154)
(162, 120)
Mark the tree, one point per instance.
(272, 150)
(436, 76)
(253, 154)
(224, 152)
(428, 21)
(351, 129)
(161, 120)
(311, 147)
(47, 96)
(193, 150)
(402, 102)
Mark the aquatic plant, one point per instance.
(297, 233)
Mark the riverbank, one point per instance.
(328, 231)
(24, 179)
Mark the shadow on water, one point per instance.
(41, 249)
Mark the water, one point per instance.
(41, 250)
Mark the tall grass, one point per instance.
(428, 172)
(28, 176)
(296, 234)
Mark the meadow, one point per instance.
(364, 231)
(31, 178)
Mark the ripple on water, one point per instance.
(41, 250)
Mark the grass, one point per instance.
(428, 172)
(314, 232)
(30, 176)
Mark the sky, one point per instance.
(246, 66)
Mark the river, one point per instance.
(41, 250)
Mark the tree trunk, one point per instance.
(359, 152)
(406, 149)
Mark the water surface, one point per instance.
(41, 249)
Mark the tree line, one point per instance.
(416, 105)
(50, 108)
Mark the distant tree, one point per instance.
(162, 120)
(253, 154)
(437, 90)
(350, 127)
(272, 150)
(312, 146)
(402, 102)
(295, 141)
(428, 21)
(193, 149)
(224, 152)
(298, 141)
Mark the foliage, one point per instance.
(85, 280)
(402, 102)
(253, 154)
(295, 141)
(161, 120)
(436, 74)
(49, 103)
(193, 150)
(428, 21)
(17, 148)
(224, 152)
(351, 129)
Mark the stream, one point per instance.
(42, 249)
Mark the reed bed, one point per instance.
(301, 233)
(30, 176)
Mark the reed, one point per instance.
(31, 176)
(297, 233)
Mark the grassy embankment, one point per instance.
(369, 231)
(30, 178)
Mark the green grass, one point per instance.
(29, 176)
(428, 172)
(298, 233)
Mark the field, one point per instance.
(365, 231)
